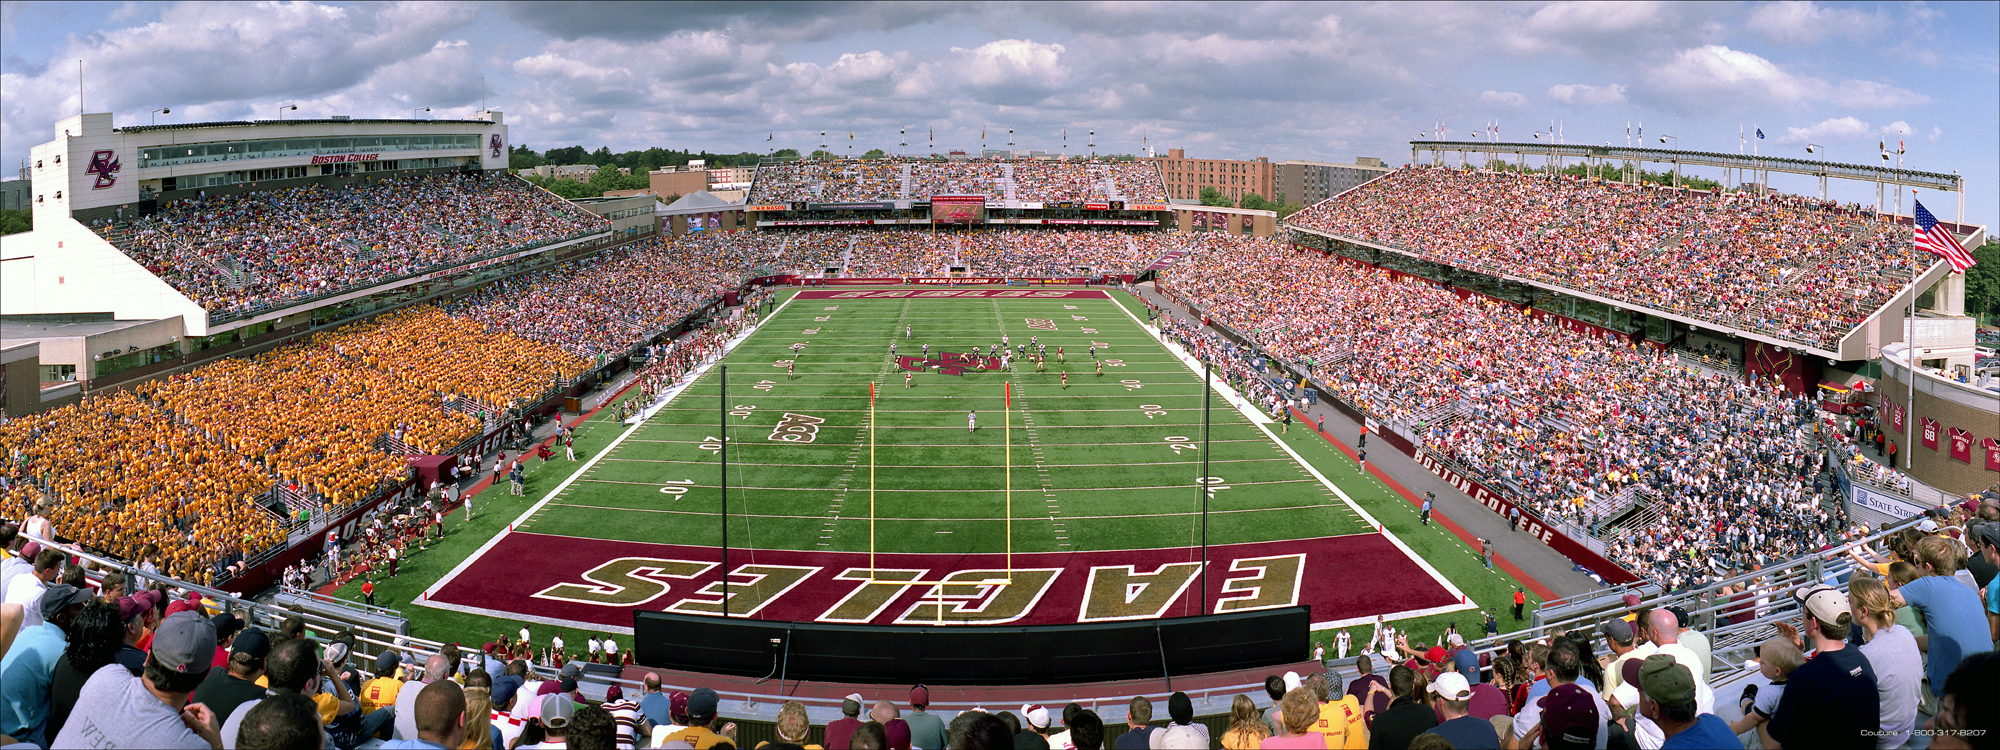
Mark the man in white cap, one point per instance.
(1034, 729)
(1454, 697)
(840, 732)
(1831, 699)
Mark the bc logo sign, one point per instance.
(104, 165)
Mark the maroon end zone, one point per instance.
(951, 293)
(567, 580)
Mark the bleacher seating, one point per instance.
(895, 178)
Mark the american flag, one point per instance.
(1938, 241)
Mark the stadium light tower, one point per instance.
(1677, 160)
(283, 108)
(1814, 148)
(169, 111)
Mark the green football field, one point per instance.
(1110, 462)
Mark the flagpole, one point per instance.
(1910, 354)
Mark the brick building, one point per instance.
(1234, 177)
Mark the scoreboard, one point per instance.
(958, 209)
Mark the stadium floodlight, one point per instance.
(414, 110)
(1677, 140)
(169, 111)
(282, 108)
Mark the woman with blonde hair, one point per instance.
(1300, 712)
(1246, 725)
(1892, 650)
(478, 719)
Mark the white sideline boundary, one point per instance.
(1263, 423)
(424, 599)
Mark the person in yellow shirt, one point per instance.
(381, 692)
(702, 705)
(1340, 720)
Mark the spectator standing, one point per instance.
(1138, 722)
(27, 671)
(1831, 700)
(926, 730)
(1408, 715)
(1370, 689)
(117, 709)
(1465, 731)
(26, 589)
(1892, 652)
(225, 689)
(1955, 623)
(1618, 635)
(1339, 715)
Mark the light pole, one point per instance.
(415, 110)
(1677, 160)
(1550, 136)
(169, 111)
(283, 108)
(1814, 148)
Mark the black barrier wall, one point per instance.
(972, 655)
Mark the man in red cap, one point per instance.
(926, 730)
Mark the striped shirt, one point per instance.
(626, 714)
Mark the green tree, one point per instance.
(562, 156)
(522, 157)
(786, 153)
(1982, 283)
(874, 153)
(1289, 209)
(822, 154)
(14, 221)
(1212, 196)
(1256, 202)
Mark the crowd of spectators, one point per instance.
(269, 247)
(1797, 268)
(895, 178)
(1561, 418)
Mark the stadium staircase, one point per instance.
(903, 177)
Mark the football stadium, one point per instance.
(996, 448)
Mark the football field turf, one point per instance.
(1067, 503)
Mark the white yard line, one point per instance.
(672, 394)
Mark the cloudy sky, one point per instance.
(1317, 81)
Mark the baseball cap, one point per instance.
(1627, 692)
(1569, 713)
(702, 704)
(1823, 601)
(920, 696)
(29, 550)
(1455, 640)
(185, 643)
(613, 693)
(252, 642)
(385, 665)
(1680, 615)
(1292, 681)
(572, 669)
(58, 598)
(1989, 531)
(851, 705)
(1435, 655)
(182, 605)
(1616, 630)
(677, 707)
(1928, 526)
(1451, 686)
(131, 606)
(226, 624)
(557, 710)
(504, 688)
(1666, 681)
(568, 685)
(1036, 716)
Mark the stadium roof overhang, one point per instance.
(1861, 172)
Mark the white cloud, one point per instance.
(1714, 75)
(1577, 93)
(1014, 60)
(1837, 129)
(1804, 22)
(1507, 99)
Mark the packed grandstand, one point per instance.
(199, 474)
(891, 179)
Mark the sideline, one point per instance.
(635, 423)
